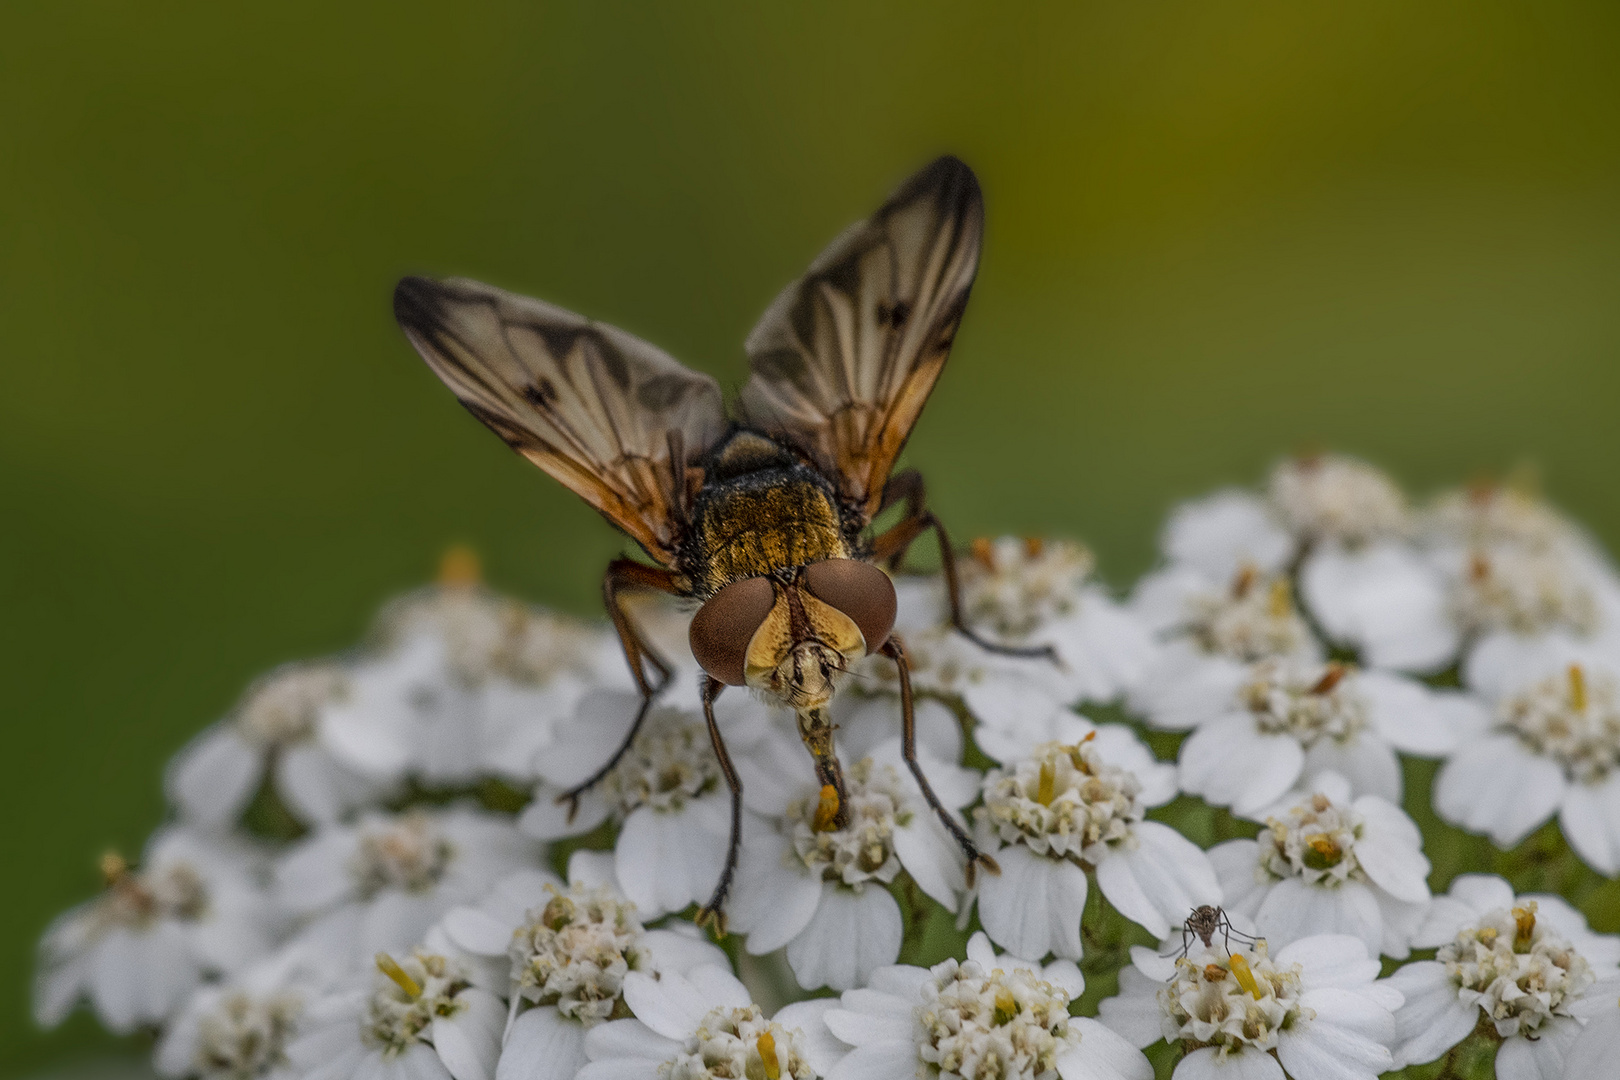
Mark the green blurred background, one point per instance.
(1215, 232)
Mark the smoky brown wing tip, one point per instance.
(952, 179)
(416, 303)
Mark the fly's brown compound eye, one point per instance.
(860, 590)
(726, 623)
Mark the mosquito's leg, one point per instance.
(629, 574)
(714, 911)
(908, 750)
(893, 544)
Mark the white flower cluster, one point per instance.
(428, 858)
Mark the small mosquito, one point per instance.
(1203, 924)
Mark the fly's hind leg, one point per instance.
(891, 547)
(714, 911)
(625, 574)
(908, 750)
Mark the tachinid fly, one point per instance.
(763, 518)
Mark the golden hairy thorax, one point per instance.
(762, 511)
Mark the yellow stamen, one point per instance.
(113, 868)
(1281, 601)
(1244, 581)
(1326, 850)
(388, 967)
(982, 552)
(1006, 1007)
(767, 1054)
(459, 567)
(1046, 786)
(1479, 567)
(1033, 546)
(1245, 976)
(1214, 973)
(1487, 936)
(826, 809)
(1332, 677)
(1577, 688)
(1075, 757)
(1524, 925)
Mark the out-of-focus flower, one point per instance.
(1024, 593)
(989, 1017)
(1526, 965)
(379, 884)
(420, 1016)
(1597, 1047)
(193, 908)
(1326, 498)
(564, 953)
(1330, 864)
(666, 794)
(1288, 719)
(462, 684)
(705, 1026)
(239, 1029)
(1313, 1011)
(1552, 746)
(1069, 808)
(276, 729)
(821, 890)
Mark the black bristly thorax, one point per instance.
(761, 509)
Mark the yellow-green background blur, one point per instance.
(1215, 232)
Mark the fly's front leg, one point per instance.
(625, 574)
(891, 546)
(908, 750)
(714, 911)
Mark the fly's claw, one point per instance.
(710, 917)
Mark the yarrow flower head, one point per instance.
(575, 952)
(1527, 966)
(192, 908)
(665, 792)
(989, 1017)
(1072, 808)
(1551, 746)
(1314, 1007)
(1327, 862)
(863, 850)
(1332, 498)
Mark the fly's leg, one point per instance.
(908, 750)
(625, 574)
(714, 911)
(891, 546)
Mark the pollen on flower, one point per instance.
(1253, 618)
(992, 1025)
(408, 852)
(395, 1017)
(1526, 590)
(1314, 841)
(1305, 700)
(1014, 585)
(137, 898)
(1517, 969)
(244, 1035)
(575, 952)
(283, 709)
(864, 849)
(1573, 718)
(739, 1044)
(1201, 1006)
(669, 763)
(1336, 498)
(1065, 802)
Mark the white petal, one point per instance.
(867, 1018)
(1219, 533)
(1009, 743)
(1120, 745)
(1033, 906)
(821, 1048)
(666, 861)
(680, 952)
(1544, 1058)
(1497, 787)
(880, 1061)
(1230, 763)
(315, 787)
(1432, 1020)
(1234, 863)
(1159, 882)
(1408, 714)
(1385, 599)
(477, 931)
(593, 869)
(1387, 850)
(1597, 1048)
(1590, 820)
(851, 935)
(1134, 1012)
(469, 1043)
(669, 1004)
(774, 900)
(1203, 1064)
(1322, 1049)
(1102, 1055)
(547, 819)
(1365, 760)
(931, 857)
(214, 776)
(1183, 688)
(542, 1045)
(1332, 960)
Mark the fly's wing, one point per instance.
(609, 415)
(846, 356)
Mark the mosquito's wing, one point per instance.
(613, 418)
(846, 356)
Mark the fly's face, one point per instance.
(792, 637)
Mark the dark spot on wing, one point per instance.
(559, 340)
(540, 393)
(613, 362)
(784, 365)
(662, 392)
